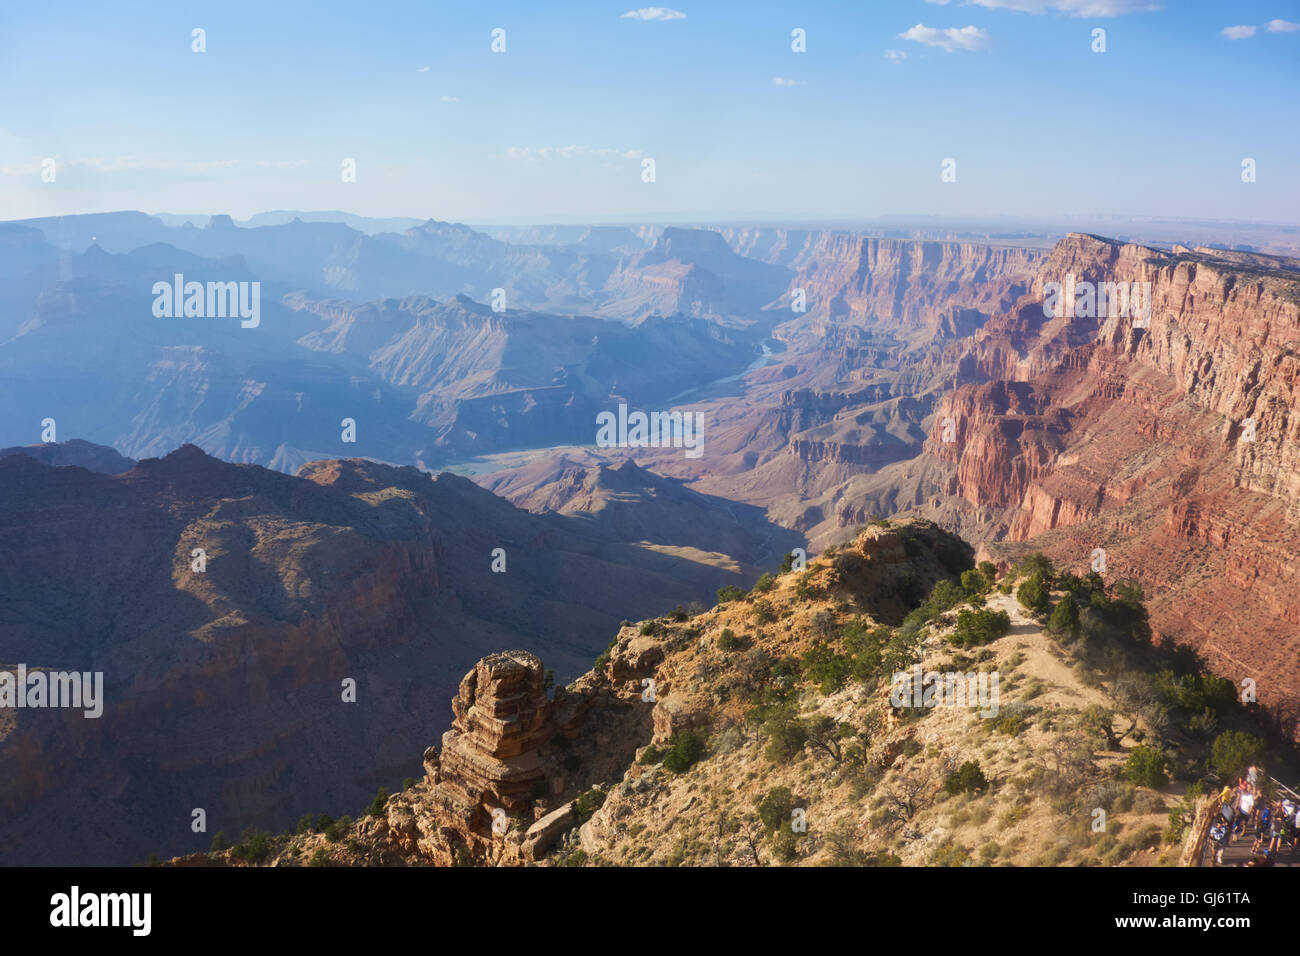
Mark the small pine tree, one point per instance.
(685, 748)
(774, 808)
(1033, 594)
(1064, 623)
(1146, 767)
(969, 778)
(1233, 752)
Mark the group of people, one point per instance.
(1245, 809)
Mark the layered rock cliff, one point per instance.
(1166, 440)
(894, 284)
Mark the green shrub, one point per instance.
(727, 640)
(254, 846)
(729, 593)
(1233, 752)
(588, 803)
(1064, 622)
(765, 583)
(1145, 767)
(829, 669)
(1195, 692)
(847, 563)
(1036, 565)
(945, 596)
(604, 657)
(968, 779)
(1033, 594)
(774, 808)
(786, 733)
(1010, 724)
(336, 830)
(949, 853)
(685, 748)
(376, 808)
(981, 626)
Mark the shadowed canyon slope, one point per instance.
(223, 686)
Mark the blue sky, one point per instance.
(738, 124)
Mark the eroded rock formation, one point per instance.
(503, 784)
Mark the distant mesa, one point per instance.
(75, 453)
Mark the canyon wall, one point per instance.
(1169, 442)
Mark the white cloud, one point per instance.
(421, 69)
(1282, 26)
(952, 38)
(449, 99)
(654, 13)
(783, 81)
(1073, 8)
(898, 56)
(1238, 33)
